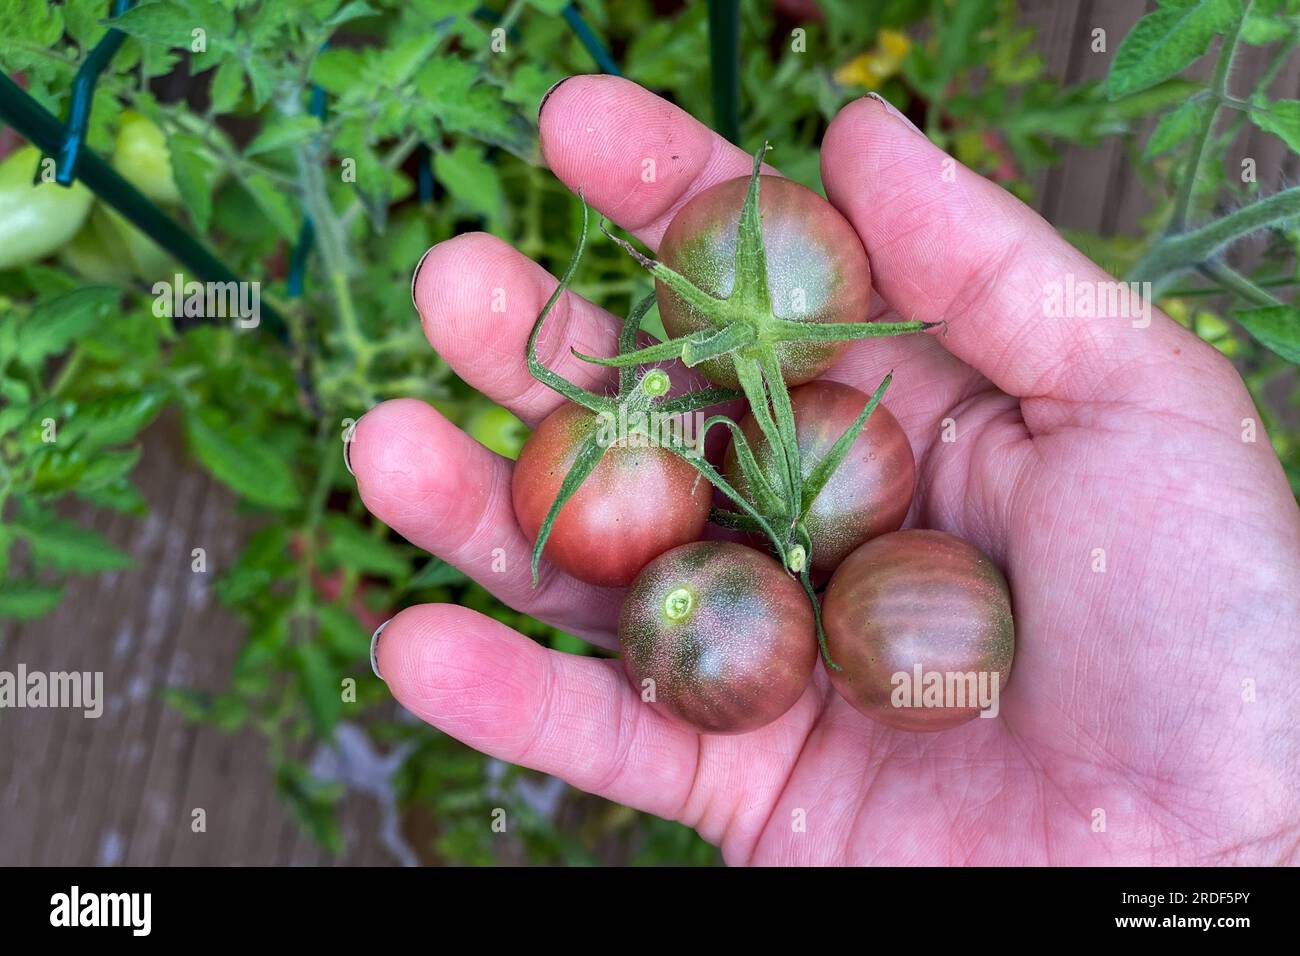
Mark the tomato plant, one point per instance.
(917, 602)
(719, 636)
(871, 491)
(638, 502)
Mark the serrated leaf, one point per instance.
(55, 469)
(241, 461)
(1178, 125)
(66, 546)
(352, 547)
(319, 683)
(470, 179)
(118, 495)
(227, 86)
(27, 599)
(1166, 41)
(1282, 119)
(338, 71)
(192, 170)
(55, 323)
(172, 24)
(260, 80)
(1276, 327)
(107, 468)
(284, 134)
(113, 419)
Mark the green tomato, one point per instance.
(495, 428)
(143, 158)
(108, 248)
(35, 220)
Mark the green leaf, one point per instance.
(55, 469)
(352, 547)
(107, 469)
(1276, 327)
(1166, 41)
(241, 461)
(320, 685)
(227, 86)
(118, 495)
(342, 632)
(312, 803)
(1178, 125)
(1282, 119)
(283, 134)
(26, 599)
(192, 170)
(351, 11)
(338, 71)
(114, 419)
(1262, 28)
(271, 199)
(469, 178)
(66, 546)
(164, 24)
(435, 574)
(55, 323)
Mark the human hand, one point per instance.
(1071, 435)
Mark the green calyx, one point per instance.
(629, 411)
(744, 325)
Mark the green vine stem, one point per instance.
(1222, 71)
(1182, 252)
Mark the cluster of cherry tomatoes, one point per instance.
(761, 284)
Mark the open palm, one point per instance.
(1153, 547)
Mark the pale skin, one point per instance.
(1153, 551)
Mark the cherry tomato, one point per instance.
(871, 491)
(909, 605)
(639, 502)
(720, 634)
(817, 270)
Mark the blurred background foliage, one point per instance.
(252, 135)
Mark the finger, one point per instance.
(574, 717)
(577, 718)
(947, 244)
(478, 299)
(444, 492)
(634, 156)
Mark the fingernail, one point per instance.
(547, 95)
(348, 437)
(374, 649)
(892, 110)
(415, 276)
